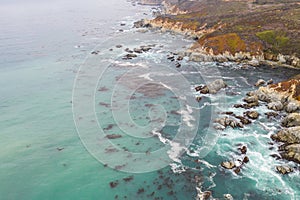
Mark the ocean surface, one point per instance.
(78, 121)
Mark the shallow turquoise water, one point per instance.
(45, 52)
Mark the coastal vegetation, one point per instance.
(261, 27)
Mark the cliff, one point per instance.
(227, 29)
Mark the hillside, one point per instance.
(264, 28)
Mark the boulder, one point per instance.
(243, 120)
(292, 106)
(260, 82)
(292, 152)
(243, 150)
(276, 105)
(288, 135)
(138, 50)
(251, 114)
(293, 119)
(284, 169)
(251, 99)
(228, 165)
(216, 85)
(271, 114)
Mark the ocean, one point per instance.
(80, 120)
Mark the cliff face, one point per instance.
(265, 29)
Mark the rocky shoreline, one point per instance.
(243, 36)
(282, 99)
(200, 53)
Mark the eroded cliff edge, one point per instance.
(251, 31)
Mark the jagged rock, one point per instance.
(288, 135)
(292, 107)
(198, 98)
(251, 114)
(228, 165)
(246, 159)
(138, 50)
(237, 170)
(277, 106)
(180, 58)
(198, 88)
(284, 169)
(129, 56)
(204, 90)
(228, 197)
(243, 120)
(128, 50)
(292, 152)
(270, 82)
(238, 106)
(271, 114)
(177, 65)
(251, 93)
(216, 85)
(226, 121)
(243, 149)
(260, 82)
(250, 105)
(251, 99)
(262, 96)
(146, 48)
(170, 57)
(291, 120)
(219, 127)
(141, 24)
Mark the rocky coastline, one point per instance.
(217, 39)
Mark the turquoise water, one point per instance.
(59, 103)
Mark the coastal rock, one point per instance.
(198, 88)
(141, 24)
(292, 152)
(293, 119)
(292, 107)
(288, 135)
(271, 114)
(243, 150)
(204, 90)
(243, 120)
(277, 106)
(216, 85)
(138, 50)
(226, 121)
(251, 99)
(260, 82)
(228, 197)
(129, 56)
(228, 164)
(246, 159)
(284, 169)
(251, 114)
(199, 57)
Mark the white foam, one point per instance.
(146, 76)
